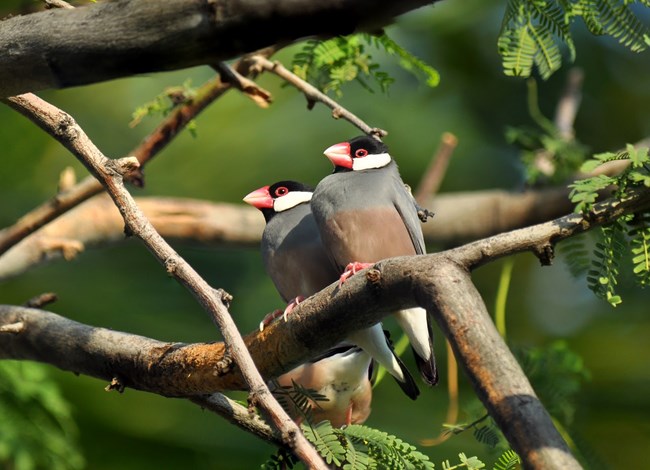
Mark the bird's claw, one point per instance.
(351, 269)
(291, 305)
(267, 320)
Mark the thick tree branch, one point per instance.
(62, 48)
(432, 281)
(459, 217)
(110, 172)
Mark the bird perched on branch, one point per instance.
(298, 265)
(365, 214)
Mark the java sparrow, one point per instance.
(343, 376)
(365, 214)
(295, 260)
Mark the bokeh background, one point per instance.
(240, 147)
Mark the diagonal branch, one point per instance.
(110, 172)
(437, 282)
(313, 94)
(151, 145)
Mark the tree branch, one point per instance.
(110, 172)
(145, 151)
(62, 48)
(431, 281)
(459, 217)
(313, 94)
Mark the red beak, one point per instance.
(339, 155)
(260, 198)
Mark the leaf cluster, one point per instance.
(627, 237)
(330, 64)
(296, 400)
(532, 31)
(359, 447)
(166, 102)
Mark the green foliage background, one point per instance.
(240, 147)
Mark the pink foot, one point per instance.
(351, 269)
(291, 305)
(267, 320)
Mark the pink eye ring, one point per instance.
(281, 191)
(360, 153)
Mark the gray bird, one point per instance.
(298, 265)
(365, 214)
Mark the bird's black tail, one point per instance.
(408, 386)
(427, 366)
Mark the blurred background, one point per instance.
(240, 147)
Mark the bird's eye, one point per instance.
(281, 191)
(360, 153)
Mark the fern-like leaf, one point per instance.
(603, 277)
(297, 400)
(327, 443)
(508, 460)
(487, 435)
(576, 255)
(385, 450)
(639, 234)
(330, 64)
(532, 30)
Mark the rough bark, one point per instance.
(69, 47)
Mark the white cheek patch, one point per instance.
(290, 200)
(371, 161)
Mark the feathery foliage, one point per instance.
(508, 460)
(532, 31)
(576, 254)
(557, 374)
(358, 447)
(165, 103)
(330, 64)
(297, 400)
(625, 238)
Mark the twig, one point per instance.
(145, 151)
(313, 95)
(110, 172)
(569, 103)
(440, 282)
(565, 114)
(435, 172)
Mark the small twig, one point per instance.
(435, 172)
(249, 88)
(116, 384)
(41, 300)
(565, 114)
(314, 95)
(110, 173)
(569, 103)
(15, 328)
(145, 151)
